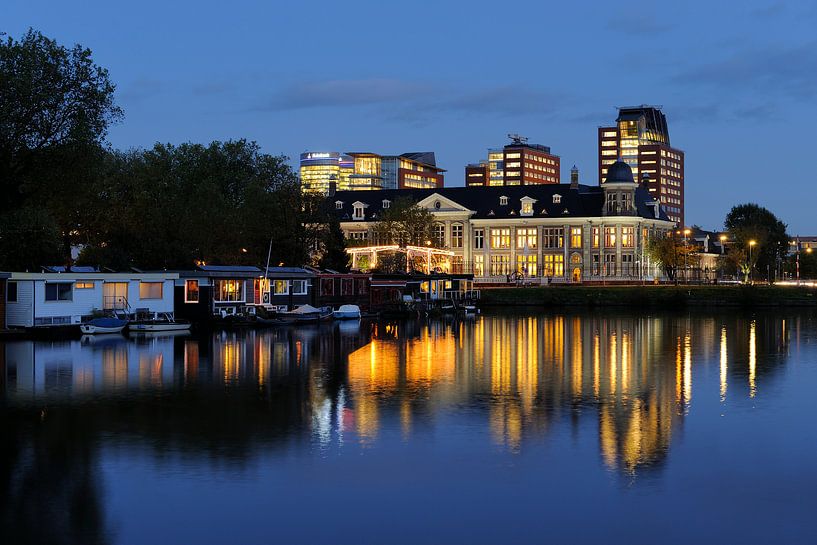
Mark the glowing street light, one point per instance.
(751, 245)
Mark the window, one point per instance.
(83, 285)
(552, 238)
(611, 203)
(439, 234)
(358, 213)
(575, 237)
(338, 205)
(327, 286)
(299, 287)
(512, 156)
(479, 265)
(11, 292)
(627, 237)
(610, 264)
(627, 268)
(500, 265)
(227, 291)
(346, 286)
(557, 199)
(362, 286)
(479, 238)
(503, 200)
(191, 291)
(456, 264)
(59, 292)
(526, 264)
(595, 237)
(456, 235)
(609, 237)
(627, 202)
(526, 237)
(150, 290)
(500, 238)
(527, 208)
(553, 265)
(596, 264)
(386, 203)
(280, 287)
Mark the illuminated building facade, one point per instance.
(365, 171)
(518, 163)
(319, 169)
(542, 233)
(641, 139)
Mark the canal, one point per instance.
(566, 427)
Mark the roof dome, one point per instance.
(619, 173)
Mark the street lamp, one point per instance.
(686, 251)
(751, 245)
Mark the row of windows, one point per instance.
(64, 291)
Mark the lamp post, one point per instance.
(686, 252)
(751, 245)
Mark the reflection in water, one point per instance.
(625, 381)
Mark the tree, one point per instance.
(750, 222)
(29, 239)
(334, 254)
(50, 96)
(672, 253)
(405, 223)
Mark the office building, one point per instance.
(366, 170)
(641, 139)
(518, 163)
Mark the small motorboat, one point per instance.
(103, 325)
(306, 314)
(347, 312)
(160, 323)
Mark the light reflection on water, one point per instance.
(622, 393)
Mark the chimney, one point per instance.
(574, 178)
(645, 180)
(333, 186)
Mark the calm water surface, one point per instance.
(584, 427)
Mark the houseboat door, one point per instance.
(115, 295)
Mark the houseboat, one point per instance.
(41, 300)
(214, 293)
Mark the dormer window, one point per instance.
(386, 203)
(557, 199)
(527, 206)
(338, 205)
(503, 200)
(359, 210)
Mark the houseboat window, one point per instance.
(327, 286)
(59, 292)
(191, 291)
(362, 286)
(424, 286)
(84, 285)
(299, 287)
(346, 286)
(281, 287)
(11, 292)
(229, 290)
(150, 290)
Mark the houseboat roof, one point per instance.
(75, 268)
(289, 272)
(222, 271)
(73, 276)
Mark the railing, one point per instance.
(115, 302)
(460, 295)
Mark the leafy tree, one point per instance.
(50, 97)
(334, 254)
(672, 253)
(29, 239)
(405, 223)
(750, 222)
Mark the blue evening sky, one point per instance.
(737, 80)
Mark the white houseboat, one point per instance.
(36, 300)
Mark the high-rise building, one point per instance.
(641, 139)
(321, 168)
(365, 170)
(518, 163)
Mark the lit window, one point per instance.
(280, 287)
(228, 291)
(191, 291)
(150, 290)
(553, 265)
(526, 238)
(84, 285)
(609, 237)
(500, 238)
(575, 237)
(627, 237)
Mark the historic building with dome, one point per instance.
(536, 233)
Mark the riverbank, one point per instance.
(651, 296)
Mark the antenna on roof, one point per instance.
(517, 139)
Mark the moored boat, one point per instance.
(103, 325)
(347, 312)
(306, 314)
(162, 322)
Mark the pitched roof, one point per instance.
(485, 202)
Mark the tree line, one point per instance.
(67, 190)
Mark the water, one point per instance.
(582, 427)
